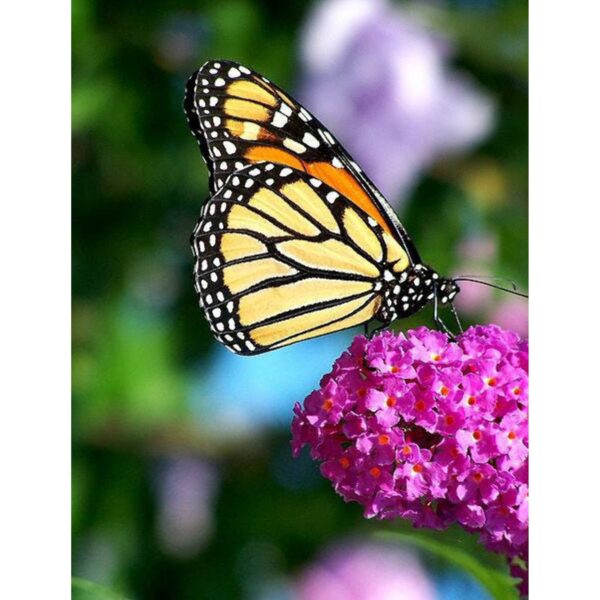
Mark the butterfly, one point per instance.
(295, 241)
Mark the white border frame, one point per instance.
(565, 231)
(35, 317)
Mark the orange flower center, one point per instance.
(449, 419)
(391, 402)
(491, 381)
(375, 471)
(406, 450)
(344, 462)
(420, 405)
(436, 357)
(444, 391)
(477, 477)
(418, 468)
(394, 369)
(477, 435)
(517, 391)
(327, 404)
(512, 435)
(471, 400)
(384, 439)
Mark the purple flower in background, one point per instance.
(382, 83)
(512, 313)
(477, 254)
(179, 40)
(186, 489)
(430, 430)
(366, 571)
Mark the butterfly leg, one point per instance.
(438, 321)
(453, 309)
(374, 331)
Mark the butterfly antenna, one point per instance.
(492, 285)
(513, 285)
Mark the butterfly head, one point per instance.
(412, 290)
(446, 289)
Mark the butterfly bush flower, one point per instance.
(399, 106)
(430, 430)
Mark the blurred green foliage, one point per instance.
(138, 184)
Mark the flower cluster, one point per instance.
(428, 429)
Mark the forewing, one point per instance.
(239, 118)
(282, 257)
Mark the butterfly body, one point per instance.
(412, 290)
(295, 241)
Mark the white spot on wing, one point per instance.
(229, 147)
(279, 120)
(294, 145)
(310, 140)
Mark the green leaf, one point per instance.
(499, 584)
(83, 589)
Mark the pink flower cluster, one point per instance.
(427, 429)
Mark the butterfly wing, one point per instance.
(282, 257)
(239, 118)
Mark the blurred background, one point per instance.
(183, 480)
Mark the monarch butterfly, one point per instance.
(296, 241)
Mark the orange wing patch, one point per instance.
(276, 155)
(341, 180)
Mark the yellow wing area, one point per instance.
(283, 257)
(320, 322)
